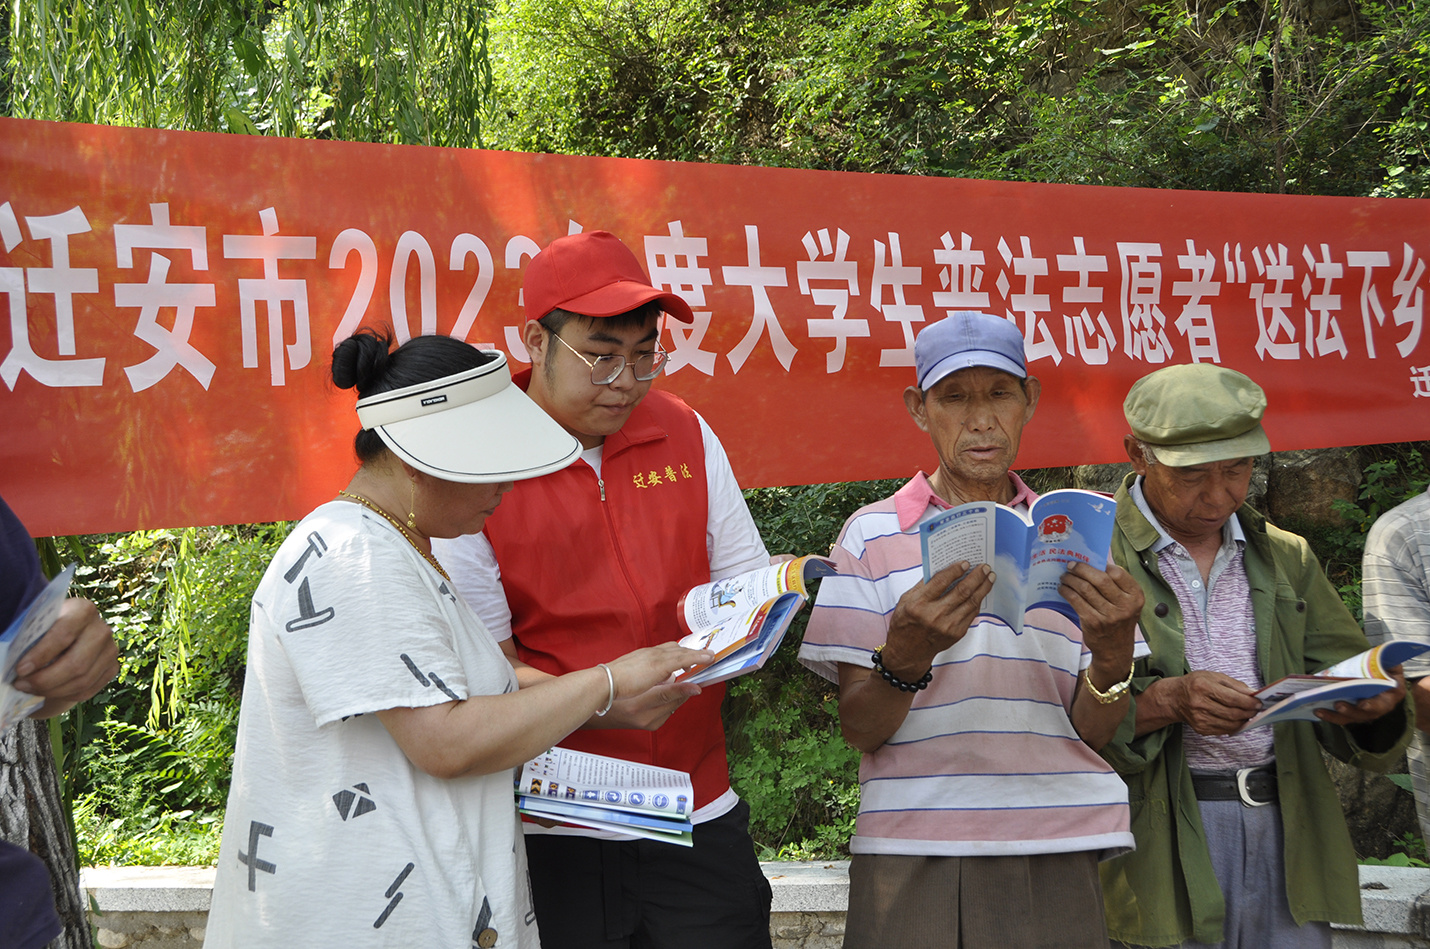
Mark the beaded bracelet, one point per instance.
(895, 681)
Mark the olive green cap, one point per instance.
(1198, 413)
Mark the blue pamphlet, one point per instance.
(1028, 552)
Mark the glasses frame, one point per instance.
(619, 361)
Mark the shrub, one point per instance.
(149, 774)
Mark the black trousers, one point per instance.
(642, 894)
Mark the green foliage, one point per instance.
(409, 71)
(799, 777)
(151, 770)
(1406, 851)
(637, 79)
(143, 835)
(1395, 474)
(787, 758)
(1249, 97)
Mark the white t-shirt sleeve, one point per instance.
(363, 630)
(731, 538)
(472, 565)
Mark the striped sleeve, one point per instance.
(851, 615)
(1396, 579)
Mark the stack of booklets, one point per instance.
(623, 797)
(24, 631)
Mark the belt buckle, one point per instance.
(1244, 792)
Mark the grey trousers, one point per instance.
(1248, 855)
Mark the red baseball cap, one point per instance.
(593, 274)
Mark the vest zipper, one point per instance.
(600, 483)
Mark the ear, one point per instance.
(914, 402)
(533, 337)
(1134, 454)
(1034, 388)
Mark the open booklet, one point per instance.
(575, 787)
(1028, 552)
(24, 631)
(1350, 680)
(742, 619)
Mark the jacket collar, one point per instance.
(1143, 535)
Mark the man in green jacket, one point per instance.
(1241, 841)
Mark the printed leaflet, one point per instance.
(1350, 680)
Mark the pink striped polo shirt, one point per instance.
(987, 761)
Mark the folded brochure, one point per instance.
(742, 619)
(624, 797)
(1297, 697)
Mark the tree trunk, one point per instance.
(32, 816)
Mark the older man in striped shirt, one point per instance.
(984, 807)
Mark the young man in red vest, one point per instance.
(588, 563)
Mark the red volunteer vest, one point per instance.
(593, 568)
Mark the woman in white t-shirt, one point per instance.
(372, 789)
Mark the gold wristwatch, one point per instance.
(1114, 692)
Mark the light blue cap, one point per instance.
(965, 339)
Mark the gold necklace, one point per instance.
(365, 502)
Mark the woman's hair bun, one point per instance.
(361, 361)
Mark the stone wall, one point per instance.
(807, 930)
(166, 907)
(148, 907)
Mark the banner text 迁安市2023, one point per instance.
(174, 297)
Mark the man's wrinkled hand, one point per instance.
(73, 660)
(931, 617)
(1107, 604)
(1213, 703)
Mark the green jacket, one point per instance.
(1165, 892)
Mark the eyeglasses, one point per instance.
(607, 369)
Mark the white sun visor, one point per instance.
(475, 427)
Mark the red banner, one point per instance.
(174, 298)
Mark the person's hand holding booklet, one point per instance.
(1361, 676)
(24, 632)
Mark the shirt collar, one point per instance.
(1231, 532)
(912, 501)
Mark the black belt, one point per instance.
(1253, 787)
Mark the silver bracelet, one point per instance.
(611, 684)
